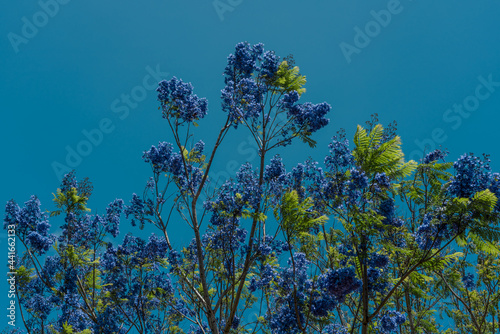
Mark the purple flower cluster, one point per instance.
(68, 182)
(139, 251)
(134, 252)
(358, 181)
(434, 230)
(471, 175)
(340, 282)
(284, 318)
(382, 182)
(139, 210)
(390, 322)
(334, 329)
(434, 156)
(387, 210)
(51, 266)
(332, 190)
(227, 238)
(133, 275)
(39, 243)
(275, 169)
(495, 188)
(269, 65)
(378, 260)
(164, 160)
(322, 304)
(178, 101)
(299, 295)
(109, 260)
(248, 185)
(72, 313)
(84, 231)
(426, 234)
(39, 305)
(108, 322)
(113, 213)
(249, 75)
(340, 157)
(271, 247)
(307, 116)
(377, 280)
(227, 209)
(348, 252)
(307, 177)
(243, 94)
(268, 273)
(198, 149)
(31, 224)
(243, 62)
(296, 296)
(468, 281)
(242, 99)
(174, 259)
(277, 178)
(155, 249)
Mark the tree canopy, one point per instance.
(363, 241)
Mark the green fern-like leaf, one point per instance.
(305, 137)
(376, 157)
(484, 201)
(440, 263)
(490, 233)
(288, 79)
(483, 244)
(296, 217)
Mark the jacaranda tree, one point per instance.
(361, 242)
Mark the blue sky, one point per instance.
(70, 67)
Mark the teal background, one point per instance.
(64, 79)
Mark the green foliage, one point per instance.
(484, 201)
(296, 218)
(192, 157)
(305, 137)
(71, 200)
(288, 79)
(439, 262)
(417, 279)
(24, 275)
(68, 329)
(477, 215)
(374, 155)
(482, 243)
